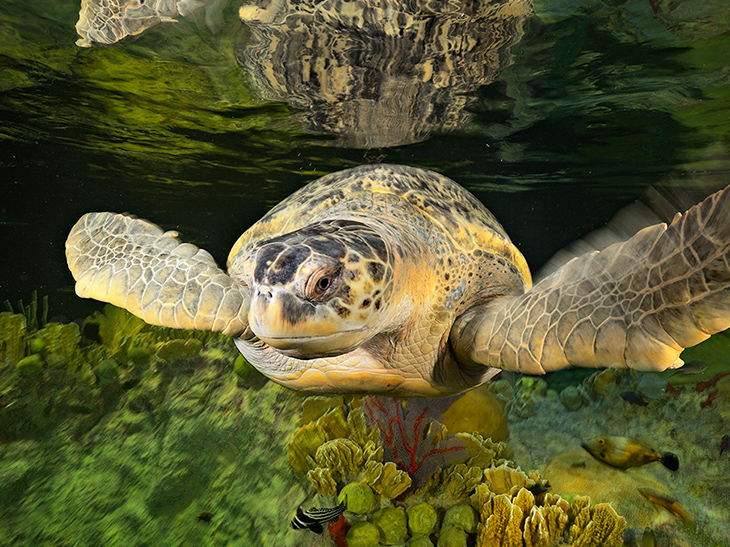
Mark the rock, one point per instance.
(571, 399)
(391, 521)
(363, 534)
(461, 515)
(478, 410)
(422, 519)
(359, 498)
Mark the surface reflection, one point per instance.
(378, 74)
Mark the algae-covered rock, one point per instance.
(452, 536)
(461, 515)
(139, 355)
(247, 375)
(32, 363)
(421, 541)
(363, 534)
(571, 399)
(422, 519)
(359, 498)
(107, 371)
(480, 411)
(391, 521)
(37, 345)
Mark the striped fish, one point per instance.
(313, 519)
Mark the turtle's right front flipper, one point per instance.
(636, 304)
(133, 264)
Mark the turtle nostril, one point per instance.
(264, 291)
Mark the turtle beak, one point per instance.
(298, 327)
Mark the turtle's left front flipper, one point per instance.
(636, 304)
(135, 265)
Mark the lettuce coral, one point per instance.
(598, 526)
(386, 479)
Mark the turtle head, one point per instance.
(319, 291)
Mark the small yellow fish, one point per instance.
(669, 504)
(625, 452)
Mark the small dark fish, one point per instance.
(539, 487)
(313, 519)
(669, 504)
(633, 398)
(693, 367)
(205, 516)
(625, 452)
(724, 443)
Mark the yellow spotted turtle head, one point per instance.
(321, 290)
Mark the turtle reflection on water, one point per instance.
(391, 279)
(371, 73)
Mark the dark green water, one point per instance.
(167, 126)
(592, 103)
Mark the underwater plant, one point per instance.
(412, 437)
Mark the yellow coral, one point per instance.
(460, 479)
(307, 439)
(386, 479)
(315, 406)
(483, 452)
(600, 526)
(360, 432)
(341, 455)
(322, 481)
(501, 479)
(514, 519)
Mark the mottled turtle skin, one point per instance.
(415, 251)
(391, 279)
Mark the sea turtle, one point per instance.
(391, 279)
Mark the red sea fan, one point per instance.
(410, 434)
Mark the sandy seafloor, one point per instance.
(676, 423)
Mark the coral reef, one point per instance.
(598, 526)
(386, 479)
(412, 438)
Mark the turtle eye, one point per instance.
(320, 284)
